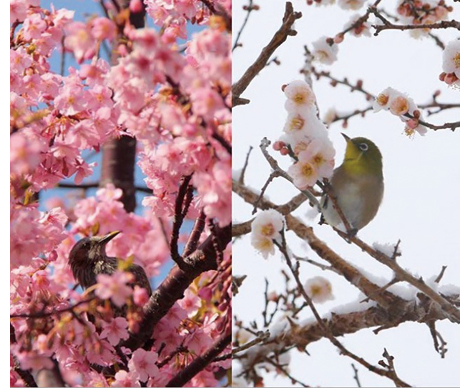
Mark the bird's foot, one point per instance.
(350, 234)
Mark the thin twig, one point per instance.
(54, 312)
(263, 336)
(355, 375)
(248, 8)
(245, 166)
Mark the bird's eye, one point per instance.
(363, 147)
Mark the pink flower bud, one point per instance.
(140, 296)
(278, 145)
(135, 6)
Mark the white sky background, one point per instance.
(422, 185)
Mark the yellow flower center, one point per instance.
(264, 244)
(297, 123)
(267, 230)
(318, 160)
(300, 98)
(315, 290)
(382, 99)
(457, 60)
(400, 105)
(409, 132)
(307, 169)
(321, 55)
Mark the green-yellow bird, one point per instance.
(357, 184)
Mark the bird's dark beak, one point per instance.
(105, 239)
(347, 138)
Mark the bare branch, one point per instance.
(278, 39)
(387, 25)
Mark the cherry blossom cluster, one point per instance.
(419, 12)
(185, 126)
(177, 104)
(402, 106)
(265, 229)
(143, 238)
(174, 15)
(451, 64)
(306, 137)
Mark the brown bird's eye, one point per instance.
(363, 147)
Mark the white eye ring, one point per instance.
(363, 147)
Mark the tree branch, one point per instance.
(199, 363)
(278, 39)
(173, 287)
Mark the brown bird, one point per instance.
(88, 259)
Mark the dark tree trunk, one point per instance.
(119, 155)
(118, 158)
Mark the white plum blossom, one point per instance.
(295, 123)
(303, 173)
(265, 228)
(300, 96)
(319, 289)
(268, 223)
(325, 51)
(351, 4)
(451, 58)
(383, 99)
(320, 154)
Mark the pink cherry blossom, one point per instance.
(142, 364)
(79, 40)
(125, 379)
(174, 103)
(34, 26)
(115, 330)
(103, 28)
(140, 296)
(115, 287)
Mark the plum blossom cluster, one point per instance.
(265, 229)
(421, 12)
(306, 137)
(402, 106)
(451, 64)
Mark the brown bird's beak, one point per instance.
(347, 138)
(105, 239)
